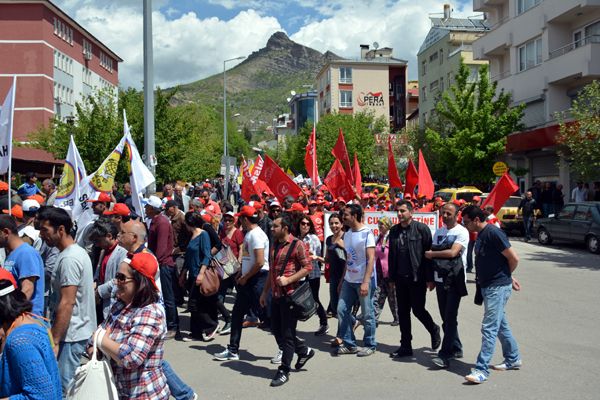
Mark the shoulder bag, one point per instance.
(93, 379)
(212, 278)
(300, 301)
(228, 261)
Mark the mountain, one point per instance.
(258, 87)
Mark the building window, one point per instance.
(433, 57)
(345, 99)
(449, 79)
(87, 76)
(424, 94)
(345, 75)
(441, 84)
(63, 31)
(441, 56)
(424, 67)
(524, 5)
(63, 63)
(434, 86)
(530, 54)
(87, 50)
(106, 62)
(328, 76)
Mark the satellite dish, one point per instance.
(293, 92)
(375, 45)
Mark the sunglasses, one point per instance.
(304, 223)
(122, 278)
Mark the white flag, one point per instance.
(68, 191)
(6, 128)
(139, 175)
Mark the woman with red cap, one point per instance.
(133, 334)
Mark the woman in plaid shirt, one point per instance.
(133, 334)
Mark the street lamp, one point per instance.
(225, 153)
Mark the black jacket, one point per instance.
(419, 238)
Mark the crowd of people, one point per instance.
(121, 279)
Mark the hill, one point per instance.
(258, 87)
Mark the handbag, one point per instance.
(93, 379)
(301, 301)
(212, 280)
(228, 261)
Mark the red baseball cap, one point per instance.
(102, 198)
(296, 207)
(3, 186)
(145, 263)
(16, 211)
(256, 204)
(37, 197)
(340, 200)
(207, 216)
(119, 209)
(247, 211)
(5, 275)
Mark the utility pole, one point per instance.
(149, 150)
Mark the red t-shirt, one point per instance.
(318, 222)
(235, 241)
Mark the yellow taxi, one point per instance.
(465, 193)
(511, 219)
(381, 188)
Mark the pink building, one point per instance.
(56, 62)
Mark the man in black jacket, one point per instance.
(528, 205)
(413, 273)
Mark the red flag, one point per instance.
(258, 166)
(310, 159)
(501, 192)
(338, 183)
(260, 186)
(247, 185)
(278, 181)
(426, 186)
(411, 179)
(392, 169)
(340, 152)
(357, 176)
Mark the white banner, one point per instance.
(431, 219)
(68, 190)
(139, 175)
(6, 128)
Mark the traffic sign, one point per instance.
(500, 168)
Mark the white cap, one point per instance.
(153, 201)
(274, 203)
(30, 232)
(30, 205)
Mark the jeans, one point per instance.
(284, 329)
(315, 283)
(168, 280)
(448, 302)
(411, 296)
(226, 284)
(178, 388)
(247, 296)
(528, 223)
(349, 295)
(495, 325)
(69, 358)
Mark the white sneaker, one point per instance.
(211, 336)
(508, 366)
(277, 358)
(226, 356)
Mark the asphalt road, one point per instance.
(555, 319)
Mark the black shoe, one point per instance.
(402, 352)
(441, 362)
(304, 359)
(323, 329)
(457, 354)
(280, 378)
(395, 323)
(436, 339)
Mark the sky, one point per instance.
(193, 37)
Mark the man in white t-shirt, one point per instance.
(251, 281)
(358, 285)
(452, 240)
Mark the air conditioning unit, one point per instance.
(87, 55)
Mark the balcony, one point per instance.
(580, 59)
(485, 5)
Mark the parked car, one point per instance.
(381, 188)
(510, 217)
(450, 194)
(576, 222)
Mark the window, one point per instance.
(63, 31)
(583, 213)
(63, 63)
(449, 78)
(524, 5)
(441, 56)
(530, 54)
(87, 76)
(345, 75)
(433, 57)
(345, 99)
(592, 30)
(567, 212)
(106, 62)
(87, 49)
(441, 84)
(424, 94)
(424, 67)
(434, 86)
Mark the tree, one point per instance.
(359, 130)
(581, 139)
(472, 123)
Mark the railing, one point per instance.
(572, 46)
(501, 21)
(500, 76)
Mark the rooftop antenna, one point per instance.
(375, 45)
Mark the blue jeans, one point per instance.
(178, 388)
(69, 358)
(349, 295)
(494, 326)
(528, 224)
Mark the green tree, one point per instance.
(359, 130)
(581, 139)
(470, 130)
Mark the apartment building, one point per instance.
(56, 62)
(375, 82)
(449, 40)
(542, 52)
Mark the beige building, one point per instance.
(542, 53)
(376, 82)
(448, 40)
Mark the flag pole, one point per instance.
(12, 125)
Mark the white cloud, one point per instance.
(186, 49)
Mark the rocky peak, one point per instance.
(278, 41)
